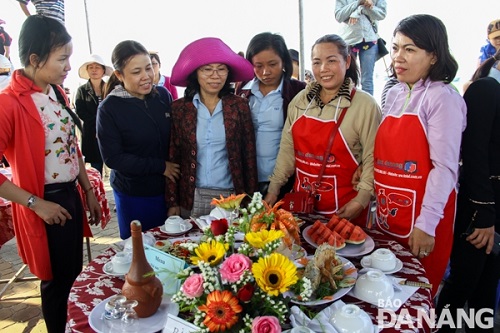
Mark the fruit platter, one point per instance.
(348, 239)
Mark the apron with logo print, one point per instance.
(310, 138)
(401, 166)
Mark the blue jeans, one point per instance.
(367, 60)
(150, 211)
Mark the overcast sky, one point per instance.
(167, 26)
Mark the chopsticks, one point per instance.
(416, 284)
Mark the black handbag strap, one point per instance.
(333, 134)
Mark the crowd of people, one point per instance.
(428, 157)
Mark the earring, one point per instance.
(283, 69)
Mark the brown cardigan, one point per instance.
(240, 148)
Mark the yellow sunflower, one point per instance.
(211, 253)
(222, 310)
(261, 238)
(275, 273)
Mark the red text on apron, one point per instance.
(401, 165)
(336, 188)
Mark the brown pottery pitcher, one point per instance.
(145, 288)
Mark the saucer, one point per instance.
(189, 227)
(108, 269)
(365, 263)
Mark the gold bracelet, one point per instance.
(87, 190)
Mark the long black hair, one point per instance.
(41, 35)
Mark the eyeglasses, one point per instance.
(209, 71)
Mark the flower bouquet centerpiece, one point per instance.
(239, 288)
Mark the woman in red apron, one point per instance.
(312, 116)
(417, 145)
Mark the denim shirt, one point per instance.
(213, 164)
(268, 120)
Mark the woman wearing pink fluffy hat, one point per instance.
(213, 137)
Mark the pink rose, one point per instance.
(234, 266)
(193, 286)
(266, 324)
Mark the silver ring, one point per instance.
(424, 253)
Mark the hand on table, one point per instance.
(350, 210)
(482, 237)
(421, 244)
(50, 212)
(172, 171)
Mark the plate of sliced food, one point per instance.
(348, 239)
(331, 276)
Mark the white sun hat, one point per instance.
(93, 58)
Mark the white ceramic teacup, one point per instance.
(121, 262)
(351, 319)
(383, 259)
(175, 223)
(373, 286)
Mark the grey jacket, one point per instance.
(363, 29)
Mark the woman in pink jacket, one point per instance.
(37, 135)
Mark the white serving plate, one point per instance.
(350, 250)
(151, 324)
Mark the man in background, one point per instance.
(50, 8)
(294, 54)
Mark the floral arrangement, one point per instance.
(239, 288)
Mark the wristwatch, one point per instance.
(31, 201)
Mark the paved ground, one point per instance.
(20, 309)
(20, 306)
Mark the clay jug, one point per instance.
(145, 288)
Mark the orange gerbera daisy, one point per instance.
(222, 310)
(229, 203)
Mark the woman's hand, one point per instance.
(421, 243)
(51, 212)
(356, 177)
(482, 237)
(172, 171)
(271, 198)
(350, 210)
(94, 208)
(176, 210)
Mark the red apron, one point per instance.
(401, 166)
(336, 187)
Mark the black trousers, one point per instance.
(66, 255)
(473, 274)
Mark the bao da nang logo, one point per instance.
(455, 319)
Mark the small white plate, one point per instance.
(188, 224)
(366, 263)
(108, 269)
(151, 324)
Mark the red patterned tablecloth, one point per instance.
(93, 285)
(7, 227)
